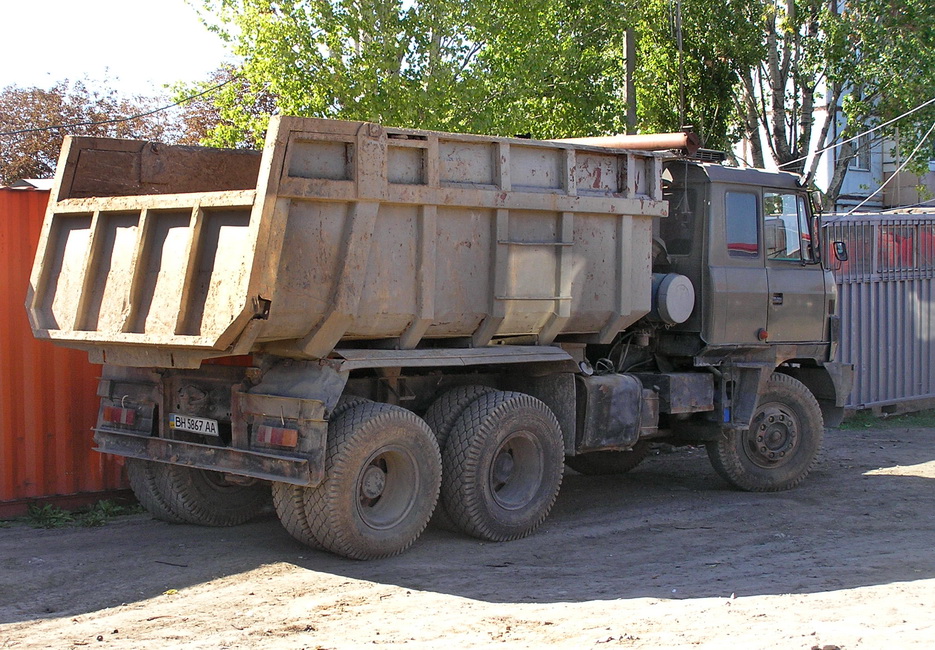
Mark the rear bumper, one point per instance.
(267, 467)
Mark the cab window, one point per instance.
(678, 229)
(741, 225)
(786, 227)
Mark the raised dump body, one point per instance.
(164, 256)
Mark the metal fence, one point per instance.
(887, 307)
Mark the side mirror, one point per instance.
(840, 251)
(814, 197)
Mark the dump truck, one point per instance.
(370, 327)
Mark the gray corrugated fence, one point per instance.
(887, 306)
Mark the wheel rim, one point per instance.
(773, 435)
(387, 488)
(516, 471)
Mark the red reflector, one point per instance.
(267, 435)
(116, 415)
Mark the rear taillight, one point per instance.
(276, 437)
(119, 416)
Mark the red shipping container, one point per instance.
(48, 400)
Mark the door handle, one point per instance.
(777, 298)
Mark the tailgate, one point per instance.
(146, 252)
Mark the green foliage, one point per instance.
(870, 420)
(97, 514)
(556, 68)
(549, 68)
(862, 63)
(48, 516)
(546, 68)
(719, 41)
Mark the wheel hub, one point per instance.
(773, 435)
(373, 482)
(503, 467)
(516, 471)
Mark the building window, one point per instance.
(862, 148)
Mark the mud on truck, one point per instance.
(373, 327)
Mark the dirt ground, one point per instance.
(665, 557)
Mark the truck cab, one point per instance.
(748, 241)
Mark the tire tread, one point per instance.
(728, 464)
(463, 458)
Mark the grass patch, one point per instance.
(97, 514)
(869, 420)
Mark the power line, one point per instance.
(911, 156)
(859, 135)
(118, 120)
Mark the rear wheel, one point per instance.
(441, 418)
(200, 496)
(382, 476)
(346, 403)
(143, 481)
(503, 465)
(779, 449)
(599, 463)
(289, 502)
(445, 411)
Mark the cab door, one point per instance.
(796, 282)
(737, 278)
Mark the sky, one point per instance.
(133, 46)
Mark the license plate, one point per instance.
(204, 426)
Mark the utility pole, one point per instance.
(630, 53)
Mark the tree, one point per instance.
(691, 57)
(859, 64)
(226, 110)
(371, 60)
(34, 122)
(547, 68)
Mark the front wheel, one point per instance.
(779, 449)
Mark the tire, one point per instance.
(203, 497)
(779, 449)
(441, 418)
(382, 477)
(289, 503)
(143, 481)
(345, 403)
(289, 500)
(601, 463)
(445, 411)
(503, 466)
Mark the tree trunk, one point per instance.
(845, 154)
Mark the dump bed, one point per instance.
(162, 256)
